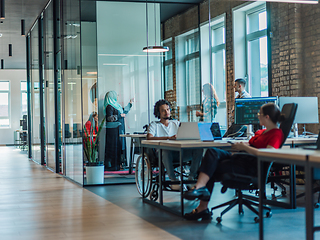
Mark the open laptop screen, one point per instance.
(209, 131)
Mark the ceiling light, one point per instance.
(155, 48)
(0, 34)
(91, 72)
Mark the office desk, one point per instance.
(313, 162)
(179, 146)
(300, 141)
(136, 142)
(292, 156)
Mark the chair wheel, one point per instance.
(219, 219)
(256, 219)
(316, 205)
(241, 212)
(154, 195)
(273, 196)
(269, 214)
(284, 193)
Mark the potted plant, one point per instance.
(94, 167)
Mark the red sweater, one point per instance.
(273, 138)
(88, 127)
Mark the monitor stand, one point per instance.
(249, 131)
(295, 130)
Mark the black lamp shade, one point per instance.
(2, 9)
(10, 50)
(23, 32)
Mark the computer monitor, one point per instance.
(307, 111)
(246, 109)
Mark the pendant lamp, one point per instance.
(155, 48)
(2, 9)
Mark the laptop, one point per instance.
(188, 131)
(209, 131)
(314, 147)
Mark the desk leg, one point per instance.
(160, 177)
(309, 202)
(261, 196)
(181, 183)
(131, 157)
(142, 161)
(293, 198)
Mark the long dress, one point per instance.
(115, 144)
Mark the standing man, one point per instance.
(167, 129)
(239, 87)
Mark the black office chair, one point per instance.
(241, 182)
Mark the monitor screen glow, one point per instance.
(246, 109)
(307, 111)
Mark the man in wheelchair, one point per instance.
(165, 129)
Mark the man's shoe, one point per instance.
(195, 215)
(200, 193)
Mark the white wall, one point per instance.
(15, 77)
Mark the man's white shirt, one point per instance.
(157, 129)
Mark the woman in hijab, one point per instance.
(115, 115)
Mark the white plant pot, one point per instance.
(95, 174)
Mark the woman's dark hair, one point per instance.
(273, 111)
(157, 106)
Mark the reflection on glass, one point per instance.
(210, 104)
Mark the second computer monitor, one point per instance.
(246, 109)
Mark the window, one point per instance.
(250, 47)
(4, 104)
(192, 64)
(257, 60)
(218, 60)
(168, 74)
(23, 88)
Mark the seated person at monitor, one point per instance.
(167, 129)
(217, 162)
(239, 87)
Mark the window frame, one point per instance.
(250, 37)
(21, 92)
(9, 104)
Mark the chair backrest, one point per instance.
(289, 111)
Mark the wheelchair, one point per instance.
(150, 163)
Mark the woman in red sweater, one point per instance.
(92, 124)
(217, 161)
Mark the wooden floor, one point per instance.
(38, 204)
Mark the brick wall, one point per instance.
(295, 47)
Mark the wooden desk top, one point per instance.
(151, 142)
(134, 135)
(186, 143)
(315, 157)
(301, 140)
(286, 153)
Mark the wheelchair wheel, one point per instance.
(147, 175)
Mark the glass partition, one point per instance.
(49, 87)
(35, 94)
(72, 91)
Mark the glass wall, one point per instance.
(71, 75)
(49, 87)
(35, 94)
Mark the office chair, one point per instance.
(241, 182)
